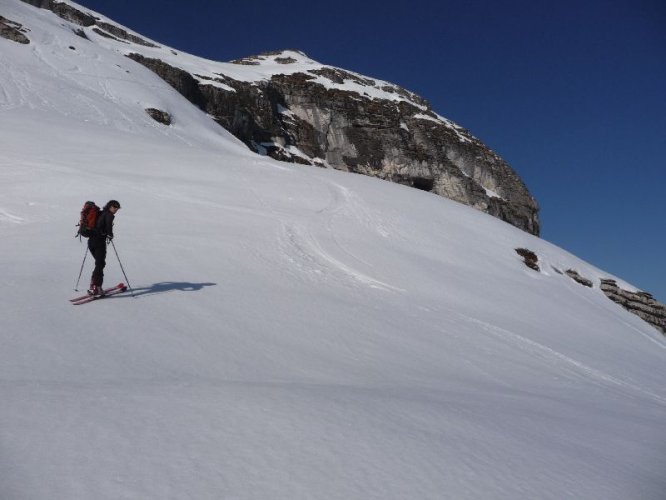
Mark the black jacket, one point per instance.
(104, 225)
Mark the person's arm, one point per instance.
(108, 225)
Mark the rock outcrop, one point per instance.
(640, 303)
(12, 31)
(578, 278)
(120, 33)
(159, 116)
(529, 258)
(41, 4)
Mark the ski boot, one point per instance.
(96, 291)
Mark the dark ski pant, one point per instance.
(97, 247)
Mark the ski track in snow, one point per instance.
(84, 98)
(619, 314)
(6, 216)
(301, 242)
(5, 97)
(561, 361)
(307, 239)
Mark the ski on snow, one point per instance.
(84, 299)
(87, 295)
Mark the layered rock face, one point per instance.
(640, 303)
(12, 31)
(292, 108)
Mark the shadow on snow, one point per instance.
(167, 286)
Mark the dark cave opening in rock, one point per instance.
(423, 183)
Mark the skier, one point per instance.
(97, 245)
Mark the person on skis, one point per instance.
(97, 245)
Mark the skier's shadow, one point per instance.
(169, 286)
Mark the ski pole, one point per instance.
(76, 287)
(121, 268)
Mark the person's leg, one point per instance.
(98, 251)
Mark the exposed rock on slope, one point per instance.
(639, 303)
(12, 31)
(159, 116)
(529, 258)
(573, 274)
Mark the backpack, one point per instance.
(88, 219)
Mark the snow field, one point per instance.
(297, 332)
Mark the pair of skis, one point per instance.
(114, 290)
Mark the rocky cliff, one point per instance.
(298, 117)
(292, 108)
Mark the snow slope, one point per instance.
(296, 333)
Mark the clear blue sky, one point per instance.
(571, 93)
